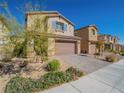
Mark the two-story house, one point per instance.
(63, 39)
(88, 36)
(110, 42)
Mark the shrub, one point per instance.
(53, 65)
(74, 72)
(27, 85)
(116, 52)
(111, 58)
(52, 79)
(19, 85)
(122, 53)
(20, 49)
(97, 54)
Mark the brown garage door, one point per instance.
(64, 47)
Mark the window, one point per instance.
(26, 20)
(111, 38)
(59, 26)
(94, 32)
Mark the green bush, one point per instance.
(20, 49)
(53, 65)
(74, 72)
(19, 85)
(51, 79)
(111, 58)
(116, 52)
(97, 54)
(57, 77)
(122, 53)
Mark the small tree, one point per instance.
(21, 38)
(5, 49)
(39, 35)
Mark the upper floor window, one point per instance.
(59, 26)
(26, 20)
(94, 32)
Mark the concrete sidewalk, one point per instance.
(109, 79)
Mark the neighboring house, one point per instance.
(63, 40)
(110, 42)
(88, 36)
(120, 47)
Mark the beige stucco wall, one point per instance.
(70, 28)
(86, 35)
(111, 40)
(84, 39)
(92, 49)
(108, 39)
(91, 36)
(51, 41)
(32, 18)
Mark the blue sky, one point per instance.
(107, 15)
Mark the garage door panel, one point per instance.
(62, 48)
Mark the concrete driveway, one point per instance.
(109, 79)
(84, 63)
(121, 57)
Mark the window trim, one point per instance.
(59, 26)
(93, 32)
